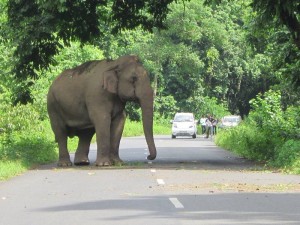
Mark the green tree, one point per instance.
(274, 13)
(40, 28)
(203, 53)
(278, 23)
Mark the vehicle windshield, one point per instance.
(183, 118)
(231, 119)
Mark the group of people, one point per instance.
(208, 125)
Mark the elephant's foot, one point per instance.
(64, 163)
(82, 163)
(105, 161)
(116, 160)
(81, 160)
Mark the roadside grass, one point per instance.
(252, 143)
(11, 168)
(133, 128)
(22, 150)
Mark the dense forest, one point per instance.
(217, 57)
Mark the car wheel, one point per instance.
(173, 136)
(194, 136)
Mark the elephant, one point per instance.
(91, 98)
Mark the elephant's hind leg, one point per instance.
(61, 138)
(64, 156)
(82, 152)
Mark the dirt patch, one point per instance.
(234, 187)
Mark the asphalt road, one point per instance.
(191, 182)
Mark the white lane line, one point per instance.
(176, 203)
(160, 181)
(153, 170)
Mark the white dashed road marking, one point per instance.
(176, 203)
(160, 181)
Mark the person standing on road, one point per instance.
(203, 123)
(208, 123)
(214, 126)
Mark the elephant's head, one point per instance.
(129, 80)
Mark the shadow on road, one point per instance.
(253, 208)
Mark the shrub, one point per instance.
(269, 134)
(245, 140)
(16, 119)
(288, 156)
(24, 141)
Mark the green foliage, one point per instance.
(268, 115)
(10, 169)
(165, 106)
(288, 156)
(247, 141)
(282, 12)
(25, 140)
(6, 81)
(37, 27)
(270, 134)
(211, 60)
(203, 53)
(274, 14)
(133, 128)
(16, 119)
(211, 106)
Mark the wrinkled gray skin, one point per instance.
(90, 99)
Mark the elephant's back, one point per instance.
(84, 68)
(81, 71)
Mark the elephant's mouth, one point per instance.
(131, 99)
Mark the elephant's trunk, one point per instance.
(147, 117)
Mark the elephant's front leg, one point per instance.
(102, 126)
(116, 131)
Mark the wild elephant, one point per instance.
(90, 99)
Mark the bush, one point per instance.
(269, 134)
(30, 149)
(25, 140)
(247, 141)
(288, 156)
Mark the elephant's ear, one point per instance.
(110, 81)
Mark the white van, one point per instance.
(230, 121)
(184, 124)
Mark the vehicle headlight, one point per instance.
(175, 125)
(191, 126)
